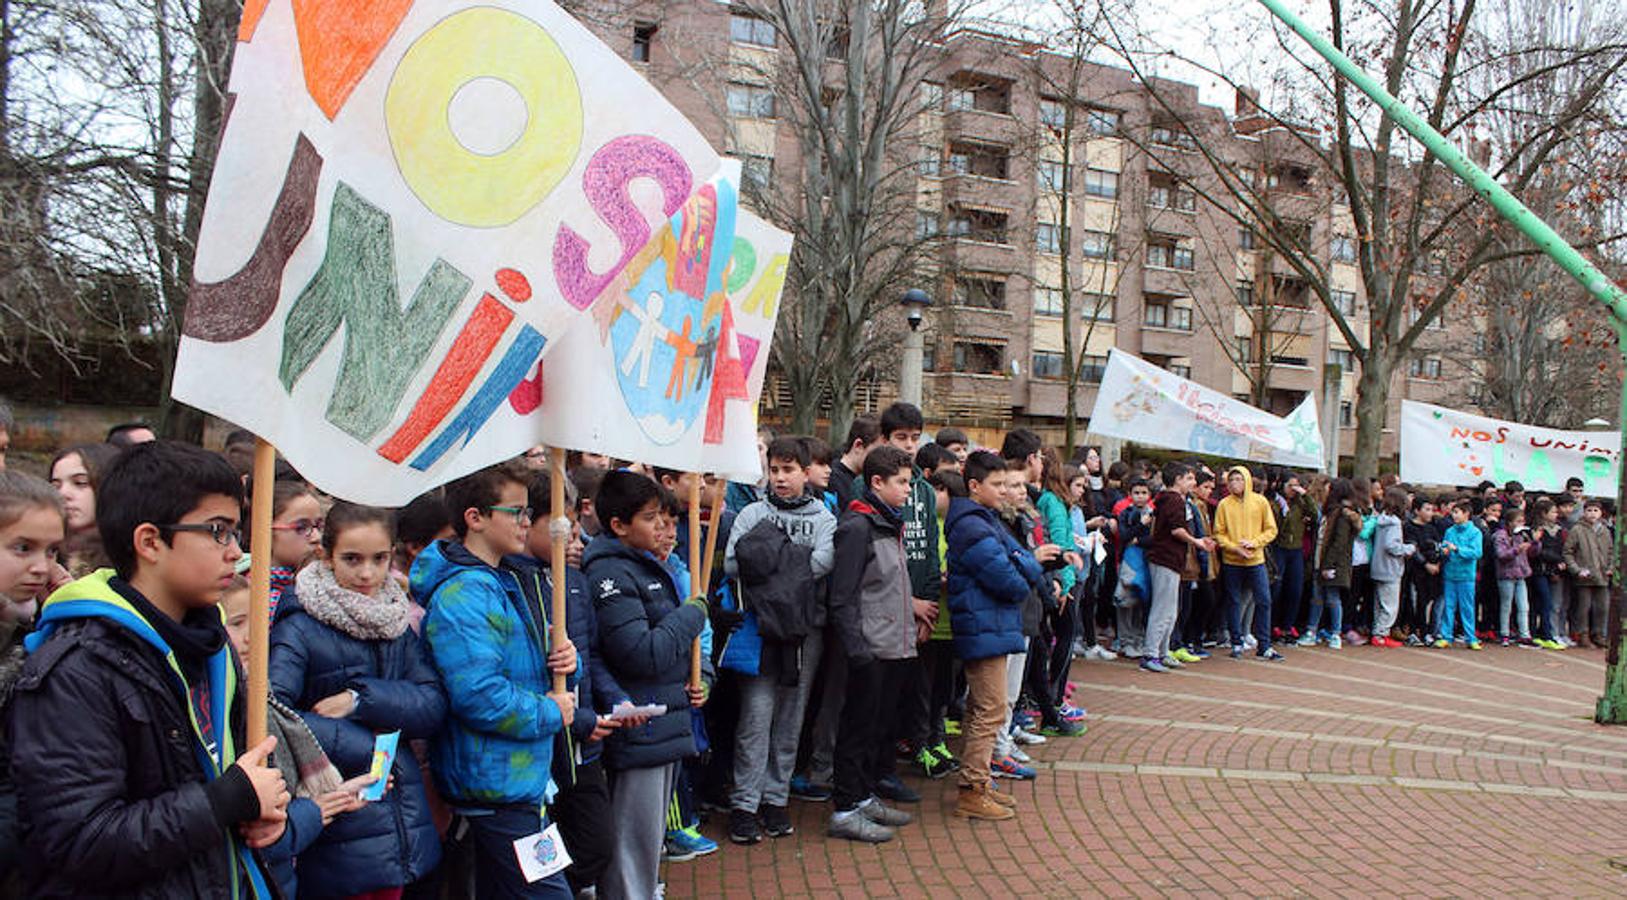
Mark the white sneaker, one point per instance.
(1018, 755)
(1027, 738)
(1098, 653)
(1249, 643)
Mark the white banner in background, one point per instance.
(1140, 402)
(1447, 447)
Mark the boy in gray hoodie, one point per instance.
(772, 700)
(1390, 554)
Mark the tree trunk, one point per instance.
(1372, 408)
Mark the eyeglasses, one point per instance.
(301, 527)
(520, 513)
(223, 534)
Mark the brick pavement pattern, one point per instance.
(1365, 771)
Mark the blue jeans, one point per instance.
(1542, 597)
(1327, 597)
(1252, 578)
(1457, 609)
(1290, 584)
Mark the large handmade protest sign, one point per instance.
(1140, 402)
(413, 202)
(1448, 447)
(670, 366)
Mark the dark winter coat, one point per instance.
(990, 578)
(1339, 530)
(390, 842)
(117, 794)
(645, 631)
(920, 519)
(870, 607)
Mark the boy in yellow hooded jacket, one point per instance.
(1244, 528)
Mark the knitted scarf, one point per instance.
(379, 618)
(304, 766)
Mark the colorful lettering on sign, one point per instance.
(728, 380)
(338, 43)
(456, 372)
(609, 174)
(509, 371)
(356, 287)
(237, 306)
(484, 190)
(766, 295)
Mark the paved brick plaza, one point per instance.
(1353, 772)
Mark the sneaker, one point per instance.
(1025, 719)
(776, 822)
(1414, 640)
(1546, 644)
(1026, 738)
(1249, 643)
(1170, 662)
(1382, 641)
(1306, 640)
(876, 812)
(1018, 754)
(1098, 653)
(1441, 643)
(674, 849)
(855, 827)
(1237, 651)
(1335, 642)
(942, 752)
(1199, 652)
(930, 765)
(744, 827)
(1504, 642)
(1271, 655)
(1354, 638)
(975, 803)
(891, 788)
(1184, 655)
(1065, 728)
(1476, 645)
(1072, 713)
(803, 789)
(1007, 767)
(1152, 665)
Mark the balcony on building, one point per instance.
(980, 238)
(978, 105)
(1167, 324)
(980, 173)
(1171, 264)
(1171, 205)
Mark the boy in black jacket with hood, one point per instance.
(130, 668)
(645, 632)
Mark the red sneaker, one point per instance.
(1382, 641)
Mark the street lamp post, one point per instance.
(915, 301)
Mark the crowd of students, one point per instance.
(869, 603)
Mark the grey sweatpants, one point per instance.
(638, 808)
(765, 740)
(1161, 614)
(1129, 628)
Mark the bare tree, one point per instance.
(1421, 240)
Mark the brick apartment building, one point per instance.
(1154, 269)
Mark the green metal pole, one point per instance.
(1612, 707)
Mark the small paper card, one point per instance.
(541, 854)
(626, 710)
(383, 760)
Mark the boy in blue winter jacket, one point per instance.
(646, 628)
(487, 636)
(990, 576)
(1462, 549)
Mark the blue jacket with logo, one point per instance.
(990, 577)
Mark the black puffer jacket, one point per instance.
(111, 787)
(645, 632)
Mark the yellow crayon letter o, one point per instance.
(456, 183)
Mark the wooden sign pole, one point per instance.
(697, 586)
(265, 476)
(560, 533)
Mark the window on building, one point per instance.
(1245, 293)
(931, 96)
(1052, 113)
(1163, 193)
(751, 101)
(1427, 367)
(978, 225)
(1294, 233)
(1047, 364)
(1344, 249)
(1167, 315)
(1092, 368)
(982, 160)
(970, 90)
(1172, 136)
(1102, 122)
(1245, 351)
(1094, 307)
(1048, 173)
(1098, 245)
(757, 173)
(748, 29)
(961, 98)
(1180, 370)
(1047, 238)
(1288, 359)
(1344, 302)
(1246, 238)
(1101, 183)
(1414, 313)
(927, 225)
(1169, 254)
(929, 356)
(978, 359)
(980, 293)
(1047, 302)
(1344, 359)
(931, 164)
(1347, 414)
(643, 39)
